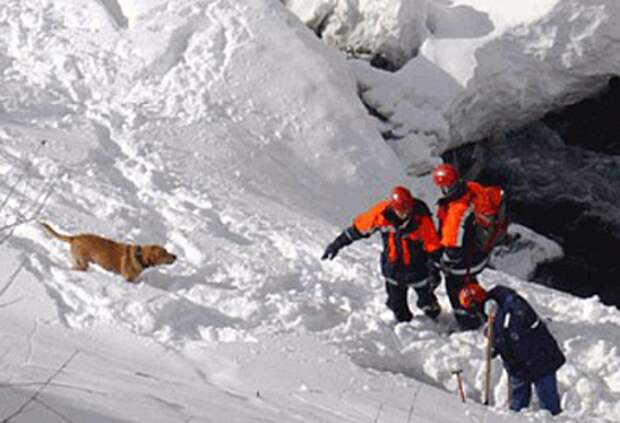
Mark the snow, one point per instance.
(526, 252)
(495, 65)
(554, 61)
(393, 29)
(227, 132)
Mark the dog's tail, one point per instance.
(48, 228)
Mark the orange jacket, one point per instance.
(474, 204)
(406, 243)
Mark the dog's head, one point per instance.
(154, 255)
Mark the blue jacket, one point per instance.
(526, 346)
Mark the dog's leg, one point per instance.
(129, 273)
(131, 277)
(80, 263)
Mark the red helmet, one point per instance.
(401, 200)
(471, 294)
(445, 175)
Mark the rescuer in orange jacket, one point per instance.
(409, 237)
(472, 220)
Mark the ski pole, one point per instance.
(459, 382)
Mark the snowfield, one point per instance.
(228, 132)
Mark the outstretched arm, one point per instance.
(345, 238)
(363, 226)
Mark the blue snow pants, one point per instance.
(546, 390)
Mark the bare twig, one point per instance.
(413, 401)
(21, 177)
(378, 413)
(10, 303)
(12, 278)
(54, 411)
(56, 384)
(39, 203)
(41, 388)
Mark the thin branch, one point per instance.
(12, 278)
(378, 413)
(54, 411)
(39, 208)
(20, 221)
(59, 385)
(41, 388)
(413, 401)
(10, 303)
(21, 177)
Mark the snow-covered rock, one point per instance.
(502, 64)
(531, 69)
(527, 252)
(390, 29)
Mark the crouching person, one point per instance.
(409, 237)
(529, 352)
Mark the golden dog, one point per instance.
(126, 259)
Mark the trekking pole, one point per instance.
(487, 372)
(459, 382)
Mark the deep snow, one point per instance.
(228, 132)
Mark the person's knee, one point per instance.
(521, 393)
(520, 400)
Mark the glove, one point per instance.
(331, 251)
(345, 238)
(490, 307)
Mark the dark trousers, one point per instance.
(466, 320)
(398, 303)
(546, 390)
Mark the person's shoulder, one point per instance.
(500, 292)
(379, 207)
(381, 212)
(375, 215)
(475, 187)
(381, 204)
(421, 208)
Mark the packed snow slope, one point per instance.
(227, 132)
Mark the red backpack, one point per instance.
(490, 212)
